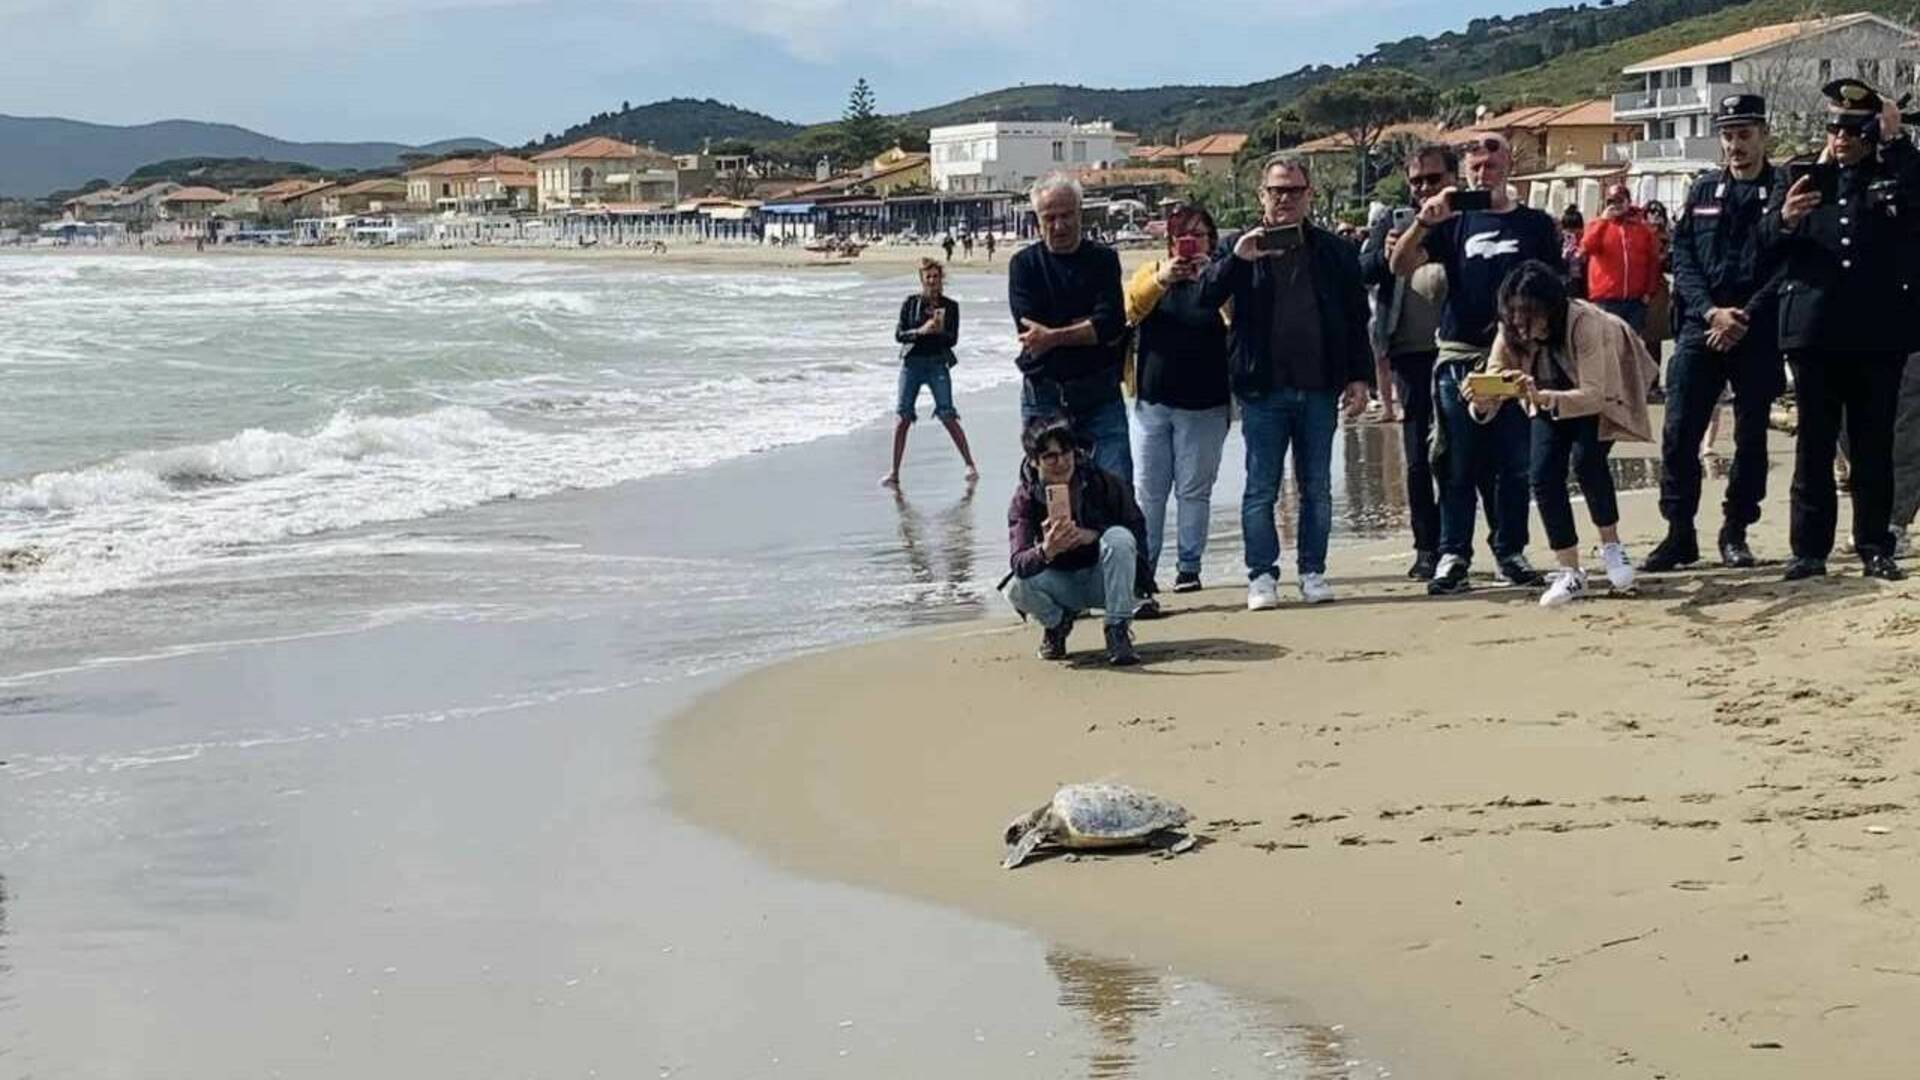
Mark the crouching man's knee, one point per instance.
(1117, 542)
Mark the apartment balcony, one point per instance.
(1649, 150)
(1671, 101)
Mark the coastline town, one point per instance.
(972, 179)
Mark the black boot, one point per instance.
(1053, 642)
(1799, 569)
(1424, 564)
(1879, 564)
(1120, 646)
(1734, 552)
(1677, 550)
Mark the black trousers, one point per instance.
(1696, 377)
(1555, 444)
(1413, 380)
(1861, 391)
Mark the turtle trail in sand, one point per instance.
(1092, 816)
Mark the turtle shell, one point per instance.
(1113, 814)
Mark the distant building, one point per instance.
(1787, 63)
(368, 196)
(1210, 155)
(895, 171)
(1339, 146)
(598, 170)
(137, 207)
(495, 182)
(185, 213)
(1009, 155)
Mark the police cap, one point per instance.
(1851, 103)
(1740, 109)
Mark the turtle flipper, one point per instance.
(1022, 849)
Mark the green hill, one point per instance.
(1595, 72)
(677, 125)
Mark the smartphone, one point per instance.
(1188, 247)
(1059, 503)
(1403, 218)
(1281, 238)
(1463, 201)
(1826, 177)
(1492, 384)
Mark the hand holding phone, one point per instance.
(1462, 201)
(1059, 503)
(1188, 247)
(1493, 385)
(1280, 239)
(1403, 218)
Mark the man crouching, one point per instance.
(1078, 542)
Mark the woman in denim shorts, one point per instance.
(928, 330)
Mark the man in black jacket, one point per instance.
(1091, 556)
(1726, 298)
(1297, 346)
(1406, 318)
(1845, 309)
(1072, 321)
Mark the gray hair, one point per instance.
(1294, 161)
(1052, 182)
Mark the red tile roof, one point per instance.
(1220, 143)
(195, 194)
(597, 147)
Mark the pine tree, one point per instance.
(863, 132)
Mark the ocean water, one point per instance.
(326, 722)
(162, 414)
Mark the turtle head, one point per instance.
(1022, 825)
(1023, 834)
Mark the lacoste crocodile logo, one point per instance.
(1488, 245)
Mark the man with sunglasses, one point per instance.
(1726, 291)
(1298, 346)
(1846, 314)
(1477, 248)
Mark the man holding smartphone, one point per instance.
(1477, 236)
(1845, 320)
(1298, 346)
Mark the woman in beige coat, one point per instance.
(1583, 375)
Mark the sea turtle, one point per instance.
(1091, 816)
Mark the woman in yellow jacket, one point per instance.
(1583, 374)
(1180, 411)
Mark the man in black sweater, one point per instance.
(1297, 347)
(1066, 301)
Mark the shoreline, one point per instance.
(877, 260)
(1646, 837)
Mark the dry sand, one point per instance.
(1665, 836)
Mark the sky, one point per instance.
(415, 71)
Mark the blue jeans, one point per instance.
(1632, 312)
(1498, 451)
(1103, 428)
(930, 372)
(1303, 421)
(1052, 595)
(1177, 452)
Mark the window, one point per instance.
(1059, 150)
(1826, 72)
(1903, 72)
(1869, 71)
(1079, 149)
(1719, 74)
(1686, 76)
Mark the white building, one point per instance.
(1009, 155)
(1787, 63)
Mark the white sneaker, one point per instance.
(1565, 586)
(1263, 593)
(1619, 566)
(1315, 590)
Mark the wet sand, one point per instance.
(391, 808)
(1667, 836)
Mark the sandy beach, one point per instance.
(1664, 836)
(880, 259)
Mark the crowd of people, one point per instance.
(1520, 349)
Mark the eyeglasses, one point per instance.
(1432, 179)
(1053, 455)
(1278, 191)
(1843, 129)
(1492, 144)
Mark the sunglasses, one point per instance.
(1491, 144)
(1432, 179)
(1286, 191)
(1845, 129)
